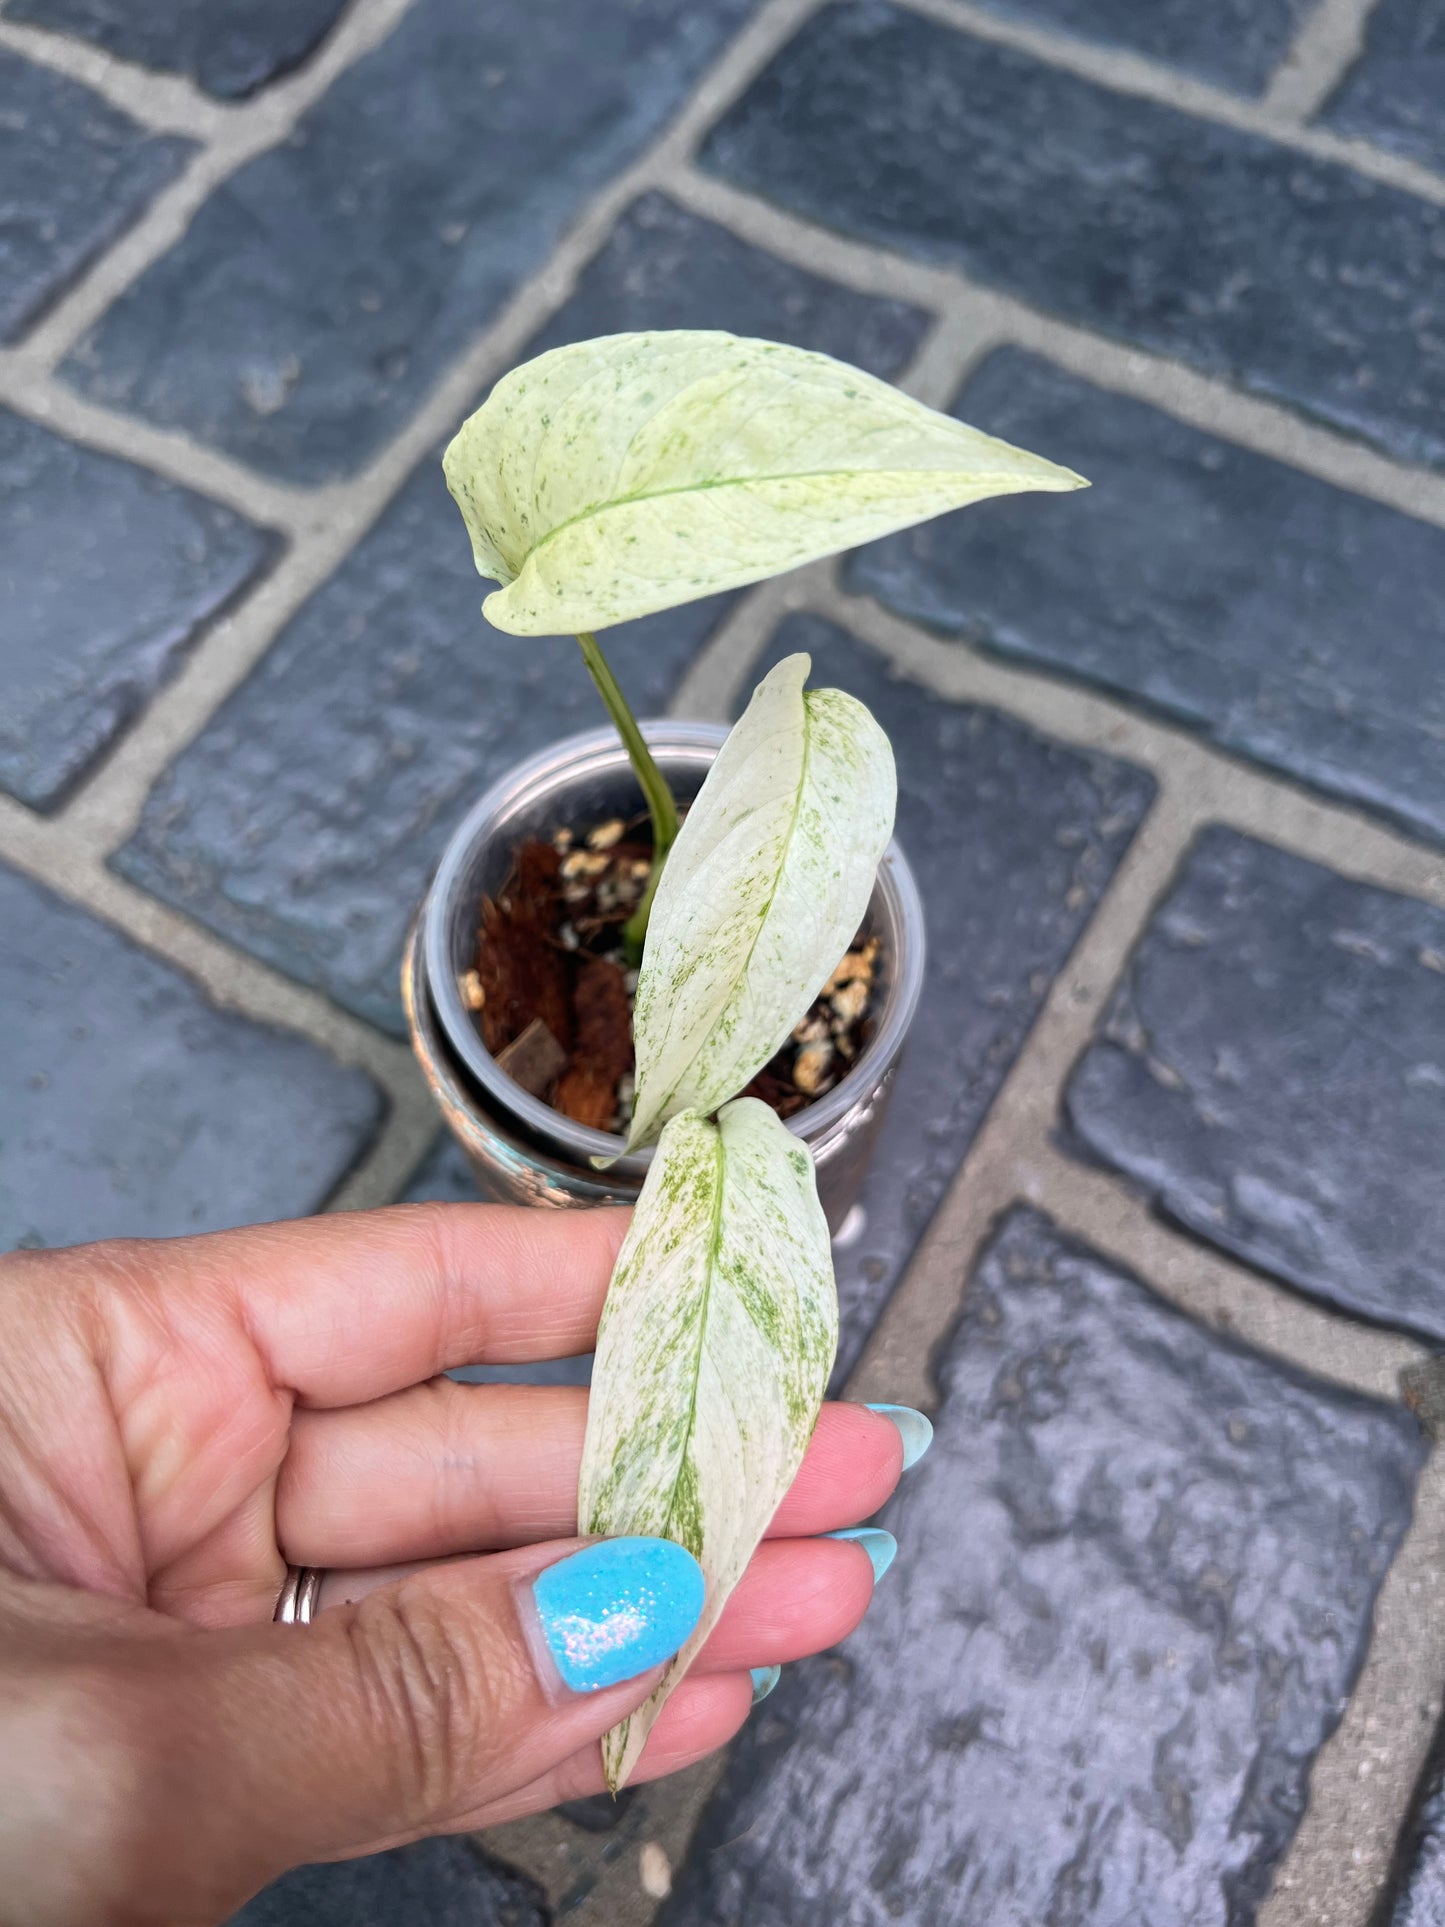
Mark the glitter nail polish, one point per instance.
(617, 1608)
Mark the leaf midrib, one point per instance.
(741, 972)
(714, 1245)
(758, 481)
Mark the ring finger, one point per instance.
(445, 1468)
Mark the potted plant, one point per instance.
(603, 481)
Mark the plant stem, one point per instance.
(657, 795)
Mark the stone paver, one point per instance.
(663, 267)
(107, 574)
(1134, 1587)
(305, 821)
(130, 1106)
(74, 173)
(1138, 1572)
(1272, 1072)
(1395, 94)
(436, 1883)
(230, 47)
(1238, 43)
(1013, 839)
(322, 290)
(1296, 278)
(1287, 620)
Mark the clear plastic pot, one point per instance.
(521, 1150)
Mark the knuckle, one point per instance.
(437, 1690)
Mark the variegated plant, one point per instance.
(605, 481)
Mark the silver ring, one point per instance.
(297, 1603)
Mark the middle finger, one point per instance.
(445, 1468)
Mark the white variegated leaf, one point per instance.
(763, 892)
(610, 478)
(716, 1342)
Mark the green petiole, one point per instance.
(658, 797)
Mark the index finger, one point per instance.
(350, 1307)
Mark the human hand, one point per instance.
(178, 1420)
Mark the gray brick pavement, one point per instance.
(303, 822)
(983, 159)
(1271, 1072)
(1288, 621)
(1239, 44)
(1014, 839)
(230, 47)
(76, 174)
(1096, 1688)
(323, 288)
(1234, 294)
(111, 573)
(1396, 93)
(134, 1108)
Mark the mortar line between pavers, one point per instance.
(1102, 1210)
(231, 978)
(1265, 804)
(1328, 44)
(988, 316)
(715, 676)
(326, 523)
(558, 1857)
(164, 452)
(1258, 802)
(1124, 72)
(1013, 1159)
(236, 981)
(104, 811)
(108, 807)
(392, 1158)
(320, 513)
(246, 132)
(954, 346)
(1362, 1780)
(263, 123)
(164, 103)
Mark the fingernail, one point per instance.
(879, 1545)
(765, 1678)
(617, 1608)
(916, 1429)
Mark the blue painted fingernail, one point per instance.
(916, 1429)
(879, 1545)
(765, 1678)
(617, 1608)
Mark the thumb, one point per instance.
(405, 1712)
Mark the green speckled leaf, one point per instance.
(716, 1342)
(610, 478)
(764, 891)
